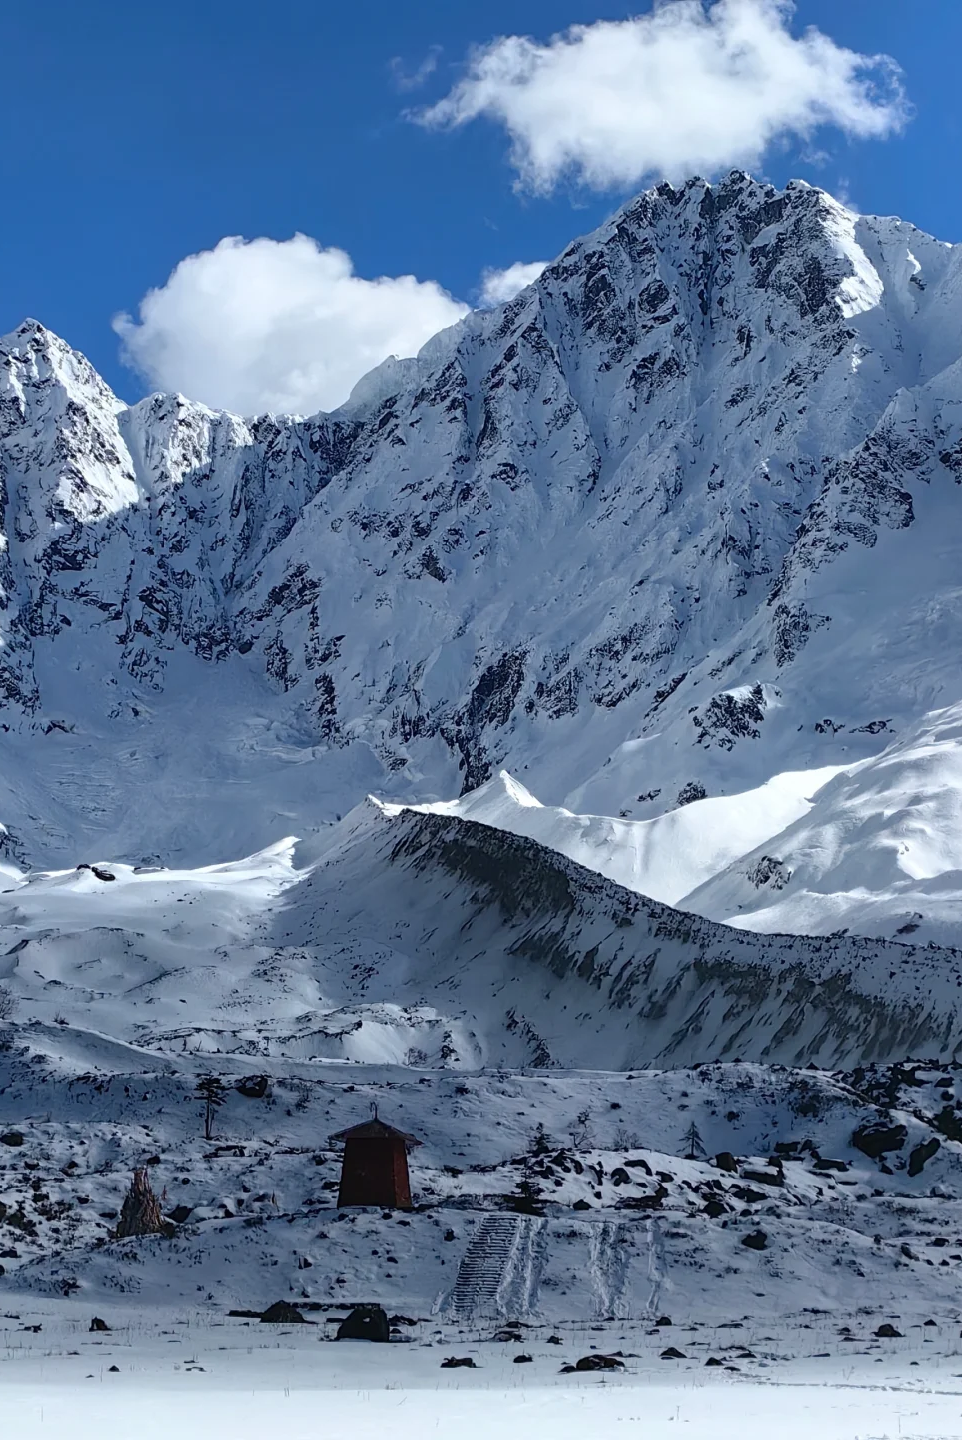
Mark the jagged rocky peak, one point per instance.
(598, 535)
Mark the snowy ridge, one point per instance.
(672, 988)
(872, 848)
(665, 858)
(426, 939)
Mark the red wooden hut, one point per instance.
(375, 1166)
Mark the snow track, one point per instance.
(608, 1261)
(499, 1273)
(656, 1266)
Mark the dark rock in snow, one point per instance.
(888, 1332)
(97, 1324)
(282, 1313)
(876, 1139)
(365, 1322)
(764, 1177)
(673, 1353)
(922, 1153)
(643, 1202)
(458, 1362)
(756, 1240)
(599, 1362)
(12, 1138)
(726, 1161)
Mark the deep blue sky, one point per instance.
(136, 135)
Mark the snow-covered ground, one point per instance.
(195, 1374)
(627, 1226)
(780, 1263)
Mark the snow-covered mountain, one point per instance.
(680, 517)
(635, 602)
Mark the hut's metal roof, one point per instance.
(374, 1130)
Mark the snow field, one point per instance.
(186, 1374)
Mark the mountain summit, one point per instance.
(680, 516)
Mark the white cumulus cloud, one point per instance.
(280, 325)
(500, 285)
(690, 87)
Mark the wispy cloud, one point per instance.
(405, 79)
(500, 285)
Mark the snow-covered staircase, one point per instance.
(498, 1273)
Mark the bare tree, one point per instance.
(8, 1008)
(581, 1132)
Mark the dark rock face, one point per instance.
(13, 1138)
(771, 872)
(756, 1240)
(877, 1139)
(888, 1332)
(365, 1322)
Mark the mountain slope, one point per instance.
(681, 516)
(422, 939)
(879, 851)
